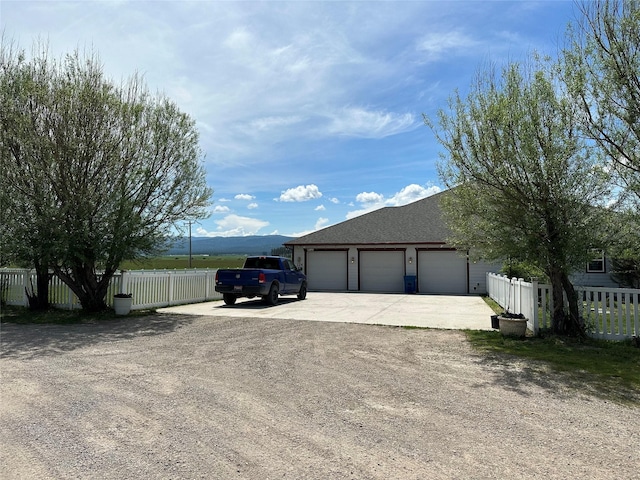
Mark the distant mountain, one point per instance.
(251, 245)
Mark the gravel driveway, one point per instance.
(172, 396)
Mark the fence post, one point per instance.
(534, 305)
(520, 282)
(123, 281)
(170, 292)
(26, 276)
(510, 296)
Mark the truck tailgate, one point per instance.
(239, 277)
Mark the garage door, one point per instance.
(382, 271)
(442, 272)
(327, 270)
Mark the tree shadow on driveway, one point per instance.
(519, 375)
(31, 341)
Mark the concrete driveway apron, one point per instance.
(430, 311)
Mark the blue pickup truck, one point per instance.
(266, 277)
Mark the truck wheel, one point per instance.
(272, 297)
(229, 298)
(302, 293)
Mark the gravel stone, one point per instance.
(182, 397)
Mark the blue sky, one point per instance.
(309, 113)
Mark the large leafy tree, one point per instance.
(601, 66)
(26, 192)
(524, 185)
(96, 172)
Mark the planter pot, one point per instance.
(513, 327)
(495, 323)
(122, 306)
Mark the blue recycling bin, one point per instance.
(409, 284)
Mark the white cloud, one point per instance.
(240, 39)
(369, 197)
(356, 213)
(244, 196)
(253, 205)
(300, 194)
(300, 234)
(221, 209)
(320, 208)
(437, 45)
(273, 122)
(371, 201)
(334, 200)
(321, 223)
(411, 193)
(359, 122)
(234, 226)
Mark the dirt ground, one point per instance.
(210, 397)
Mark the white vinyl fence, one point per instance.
(531, 299)
(609, 313)
(149, 288)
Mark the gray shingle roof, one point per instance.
(417, 222)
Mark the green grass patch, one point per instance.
(609, 368)
(172, 262)
(495, 306)
(181, 262)
(24, 316)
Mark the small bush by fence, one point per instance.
(150, 288)
(609, 313)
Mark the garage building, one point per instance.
(390, 250)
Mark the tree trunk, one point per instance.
(93, 301)
(558, 317)
(575, 326)
(564, 323)
(90, 290)
(39, 299)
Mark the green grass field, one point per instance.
(182, 262)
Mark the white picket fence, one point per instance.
(609, 313)
(515, 295)
(149, 288)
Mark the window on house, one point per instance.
(596, 264)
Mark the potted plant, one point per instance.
(512, 324)
(122, 303)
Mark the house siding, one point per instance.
(478, 275)
(599, 279)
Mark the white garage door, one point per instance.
(442, 272)
(327, 270)
(382, 271)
